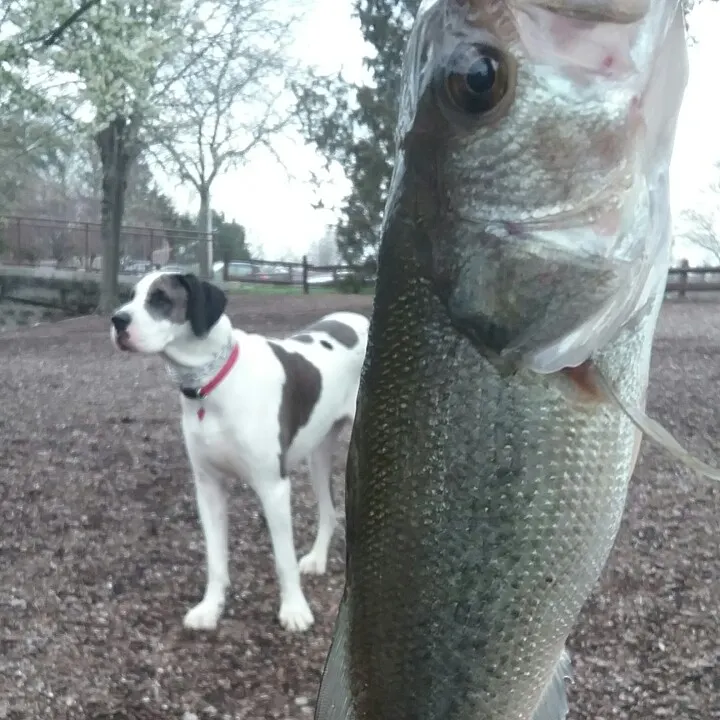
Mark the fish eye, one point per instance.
(476, 79)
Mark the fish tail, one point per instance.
(334, 701)
(655, 431)
(553, 704)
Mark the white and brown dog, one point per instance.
(252, 409)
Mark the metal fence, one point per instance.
(71, 245)
(78, 245)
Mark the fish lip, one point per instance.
(584, 219)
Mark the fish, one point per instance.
(523, 259)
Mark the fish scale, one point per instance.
(428, 575)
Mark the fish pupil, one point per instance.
(481, 76)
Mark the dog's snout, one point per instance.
(121, 320)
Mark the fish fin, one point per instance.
(553, 704)
(654, 430)
(579, 384)
(334, 701)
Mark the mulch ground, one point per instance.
(101, 551)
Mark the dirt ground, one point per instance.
(101, 552)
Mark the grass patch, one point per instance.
(241, 288)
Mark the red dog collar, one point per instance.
(205, 390)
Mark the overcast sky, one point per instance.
(277, 211)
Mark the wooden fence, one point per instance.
(58, 243)
(685, 279)
(681, 280)
(301, 274)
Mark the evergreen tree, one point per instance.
(355, 125)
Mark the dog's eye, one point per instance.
(160, 299)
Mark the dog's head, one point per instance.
(166, 308)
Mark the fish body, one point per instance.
(522, 267)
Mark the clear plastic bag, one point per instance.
(543, 268)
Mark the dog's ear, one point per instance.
(205, 303)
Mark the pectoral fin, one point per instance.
(587, 384)
(655, 431)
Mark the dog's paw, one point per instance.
(203, 616)
(296, 615)
(313, 564)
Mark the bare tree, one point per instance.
(702, 230)
(232, 102)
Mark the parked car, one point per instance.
(266, 272)
(320, 278)
(239, 270)
(181, 268)
(138, 267)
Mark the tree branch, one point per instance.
(236, 71)
(54, 35)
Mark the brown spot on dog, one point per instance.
(300, 393)
(337, 330)
(339, 425)
(303, 338)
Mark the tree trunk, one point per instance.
(112, 142)
(205, 248)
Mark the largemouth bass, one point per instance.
(525, 250)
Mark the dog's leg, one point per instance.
(212, 508)
(274, 494)
(320, 461)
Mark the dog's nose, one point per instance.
(121, 320)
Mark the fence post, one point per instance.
(305, 284)
(86, 262)
(684, 265)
